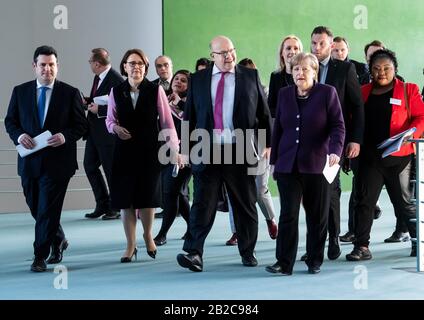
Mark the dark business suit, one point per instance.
(45, 174)
(305, 132)
(250, 111)
(99, 146)
(278, 79)
(342, 76)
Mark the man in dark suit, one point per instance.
(100, 143)
(221, 100)
(342, 76)
(163, 65)
(36, 106)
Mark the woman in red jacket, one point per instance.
(391, 107)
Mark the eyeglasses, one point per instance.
(225, 54)
(160, 65)
(132, 64)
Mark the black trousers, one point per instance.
(174, 199)
(44, 197)
(241, 190)
(315, 191)
(370, 181)
(334, 211)
(400, 224)
(94, 157)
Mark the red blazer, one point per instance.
(399, 121)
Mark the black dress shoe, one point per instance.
(347, 237)
(129, 259)
(333, 251)
(94, 215)
(39, 265)
(398, 237)
(249, 261)
(159, 215)
(192, 261)
(276, 268)
(413, 250)
(111, 216)
(358, 254)
(152, 254)
(57, 252)
(377, 212)
(159, 240)
(314, 270)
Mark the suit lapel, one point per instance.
(56, 93)
(207, 88)
(331, 72)
(33, 102)
(103, 84)
(237, 91)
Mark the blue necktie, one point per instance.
(42, 105)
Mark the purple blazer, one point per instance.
(309, 134)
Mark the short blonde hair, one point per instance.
(306, 56)
(280, 50)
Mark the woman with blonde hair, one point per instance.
(289, 47)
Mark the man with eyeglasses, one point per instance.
(223, 99)
(163, 65)
(100, 143)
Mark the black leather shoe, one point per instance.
(358, 254)
(347, 237)
(377, 212)
(413, 250)
(249, 261)
(94, 215)
(159, 215)
(314, 270)
(159, 241)
(398, 237)
(276, 268)
(111, 216)
(304, 257)
(191, 261)
(39, 265)
(333, 251)
(56, 255)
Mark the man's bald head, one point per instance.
(223, 53)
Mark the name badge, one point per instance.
(397, 102)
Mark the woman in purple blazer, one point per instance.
(308, 126)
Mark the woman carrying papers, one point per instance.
(391, 107)
(308, 128)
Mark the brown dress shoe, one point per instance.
(232, 241)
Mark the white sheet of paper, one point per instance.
(330, 172)
(101, 100)
(40, 143)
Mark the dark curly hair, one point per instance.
(383, 53)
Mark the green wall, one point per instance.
(257, 27)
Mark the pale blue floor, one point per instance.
(94, 271)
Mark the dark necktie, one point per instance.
(321, 70)
(219, 99)
(95, 85)
(42, 104)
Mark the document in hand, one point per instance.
(330, 172)
(101, 100)
(40, 143)
(393, 144)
